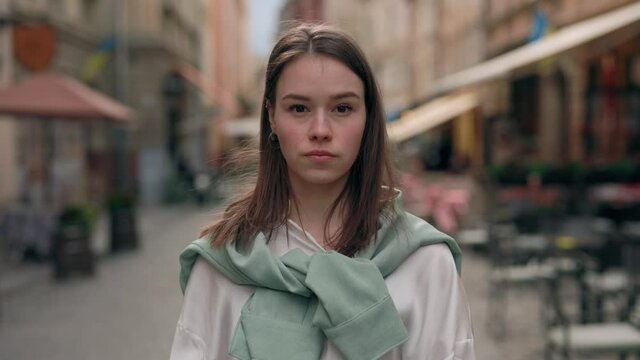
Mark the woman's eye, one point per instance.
(297, 108)
(343, 108)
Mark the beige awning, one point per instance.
(433, 113)
(560, 41)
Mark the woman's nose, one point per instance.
(320, 129)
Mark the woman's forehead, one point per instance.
(318, 76)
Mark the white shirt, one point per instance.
(425, 289)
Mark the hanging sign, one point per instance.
(34, 46)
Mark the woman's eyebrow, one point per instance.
(346, 95)
(338, 96)
(296, 97)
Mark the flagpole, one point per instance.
(121, 23)
(5, 43)
(10, 185)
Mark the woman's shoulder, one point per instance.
(414, 223)
(434, 259)
(205, 281)
(431, 243)
(428, 270)
(206, 276)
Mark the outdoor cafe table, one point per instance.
(592, 241)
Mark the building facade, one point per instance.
(383, 29)
(411, 44)
(231, 72)
(144, 42)
(8, 158)
(577, 106)
(461, 35)
(164, 37)
(408, 42)
(58, 175)
(301, 10)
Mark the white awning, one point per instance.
(433, 113)
(560, 41)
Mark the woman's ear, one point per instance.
(270, 111)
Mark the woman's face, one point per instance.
(319, 117)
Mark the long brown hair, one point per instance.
(369, 186)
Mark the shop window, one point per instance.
(524, 100)
(89, 8)
(632, 106)
(565, 115)
(612, 131)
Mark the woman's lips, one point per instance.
(320, 155)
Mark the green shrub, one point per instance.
(120, 200)
(79, 213)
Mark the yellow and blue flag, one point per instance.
(540, 26)
(99, 59)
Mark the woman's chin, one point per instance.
(322, 180)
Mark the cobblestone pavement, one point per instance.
(129, 309)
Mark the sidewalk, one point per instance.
(15, 275)
(127, 311)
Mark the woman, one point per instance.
(319, 261)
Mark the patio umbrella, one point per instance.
(54, 95)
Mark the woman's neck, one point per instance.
(310, 208)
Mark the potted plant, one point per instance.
(72, 249)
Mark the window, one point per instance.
(89, 8)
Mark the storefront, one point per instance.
(444, 132)
(571, 97)
(612, 123)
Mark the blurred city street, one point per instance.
(514, 126)
(130, 308)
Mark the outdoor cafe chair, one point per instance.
(510, 268)
(518, 243)
(568, 338)
(602, 282)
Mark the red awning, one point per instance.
(54, 95)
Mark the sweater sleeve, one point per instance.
(439, 324)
